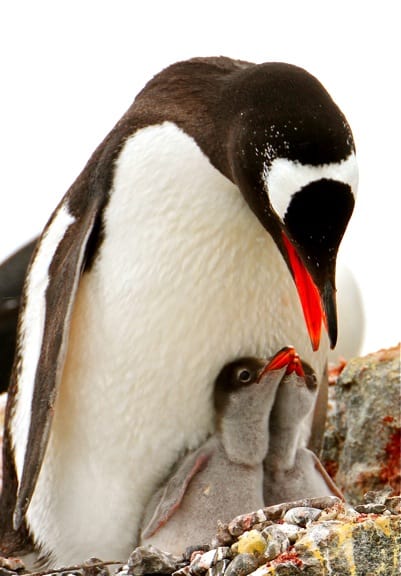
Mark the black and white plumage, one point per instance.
(175, 250)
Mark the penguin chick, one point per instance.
(224, 476)
(292, 472)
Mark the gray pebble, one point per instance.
(242, 565)
(151, 560)
(302, 515)
(219, 568)
(202, 562)
(393, 504)
(292, 531)
(370, 508)
(277, 542)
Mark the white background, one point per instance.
(69, 69)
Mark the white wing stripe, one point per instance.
(31, 333)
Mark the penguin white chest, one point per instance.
(186, 280)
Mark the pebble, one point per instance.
(12, 564)
(7, 572)
(393, 504)
(202, 562)
(277, 542)
(150, 560)
(251, 542)
(242, 565)
(370, 508)
(292, 531)
(302, 515)
(219, 568)
(89, 569)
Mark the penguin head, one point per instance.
(292, 154)
(245, 392)
(235, 376)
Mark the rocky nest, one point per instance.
(312, 537)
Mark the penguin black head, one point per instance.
(292, 154)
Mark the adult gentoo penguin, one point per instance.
(219, 197)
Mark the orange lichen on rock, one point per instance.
(289, 556)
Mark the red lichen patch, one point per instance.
(390, 472)
(388, 419)
(335, 370)
(362, 517)
(289, 556)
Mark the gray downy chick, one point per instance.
(224, 476)
(292, 472)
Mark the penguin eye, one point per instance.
(244, 376)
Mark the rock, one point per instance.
(242, 565)
(302, 515)
(151, 560)
(277, 541)
(361, 448)
(201, 562)
(370, 545)
(251, 542)
(12, 564)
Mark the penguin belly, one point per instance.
(186, 280)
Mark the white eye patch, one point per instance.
(283, 178)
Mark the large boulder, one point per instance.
(361, 447)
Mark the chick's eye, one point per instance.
(244, 376)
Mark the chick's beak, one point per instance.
(287, 358)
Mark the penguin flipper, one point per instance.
(48, 299)
(166, 501)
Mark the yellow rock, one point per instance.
(251, 542)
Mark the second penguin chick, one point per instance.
(292, 472)
(224, 476)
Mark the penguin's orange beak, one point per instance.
(286, 357)
(317, 307)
